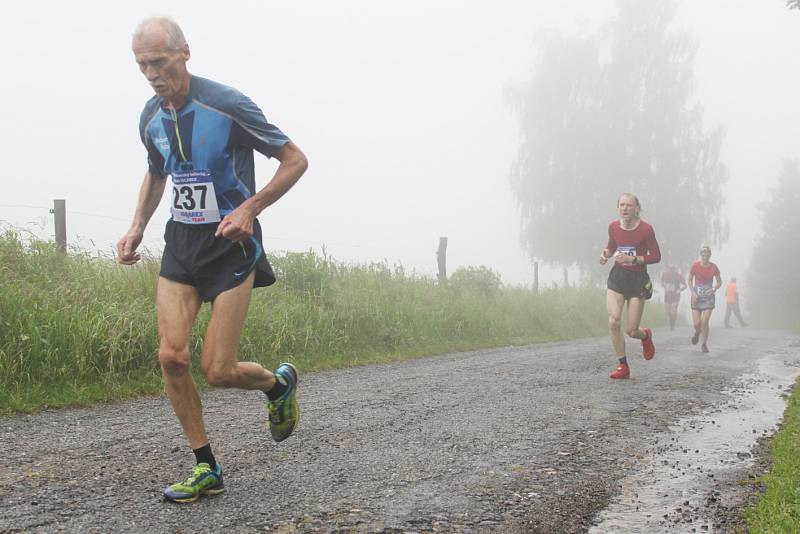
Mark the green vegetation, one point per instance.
(778, 509)
(78, 329)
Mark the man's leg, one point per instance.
(738, 314)
(177, 306)
(219, 361)
(672, 311)
(614, 304)
(635, 311)
(705, 319)
(698, 325)
(728, 310)
(222, 368)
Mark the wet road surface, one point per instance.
(519, 439)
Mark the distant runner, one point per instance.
(632, 245)
(702, 276)
(732, 301)
(673, 282)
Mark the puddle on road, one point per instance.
(670, 491)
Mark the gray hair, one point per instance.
(173, 34)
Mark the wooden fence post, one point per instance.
(59, 212)
(441, 257)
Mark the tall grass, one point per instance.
(77, 328)
(778, 508)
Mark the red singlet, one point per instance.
(704, 276)
(641, 241)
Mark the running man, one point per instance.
(202, 134)
(732, 303)
(632, 245)
(701, 279)
(673, 283)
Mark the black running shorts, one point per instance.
(193, 256)
(631, 284)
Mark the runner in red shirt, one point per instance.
(673, 283)
(632, 245)
(702, 277)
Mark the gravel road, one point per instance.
(517, 439)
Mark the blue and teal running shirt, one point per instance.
(214, 133)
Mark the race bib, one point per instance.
(626, 250)
(194, 200)
(702, 290)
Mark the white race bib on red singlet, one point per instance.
(194, 200)
(626, 250)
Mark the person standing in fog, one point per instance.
(202, 135)
(632, 245)
(704, 280)
(732, 304)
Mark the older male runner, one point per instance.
(202, 135)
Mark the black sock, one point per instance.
(205, 456)
(624, 360)
(278, 389)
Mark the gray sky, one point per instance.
(400, 108)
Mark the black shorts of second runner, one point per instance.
(193, 256)
(671, 297)
(631, 284)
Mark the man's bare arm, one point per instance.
(149, 197)
(238, 225)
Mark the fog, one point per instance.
(402, 110)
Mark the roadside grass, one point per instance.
(778, 509)
(79, 329)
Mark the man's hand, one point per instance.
(603, 258)
(126, 248)
(237, 225)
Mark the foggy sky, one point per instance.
(400, 108)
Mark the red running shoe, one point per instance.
(648, 349)
(622, 371)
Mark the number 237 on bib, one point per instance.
(194, 200)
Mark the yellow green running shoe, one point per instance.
(284, 413)
(202, 481)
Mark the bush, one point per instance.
(481, 279)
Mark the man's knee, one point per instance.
(218, 376)
(613, 323)
(174, 361)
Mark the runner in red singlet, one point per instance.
(632, 245)
(701, 278)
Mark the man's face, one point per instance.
(165, 69)
(627, 207)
